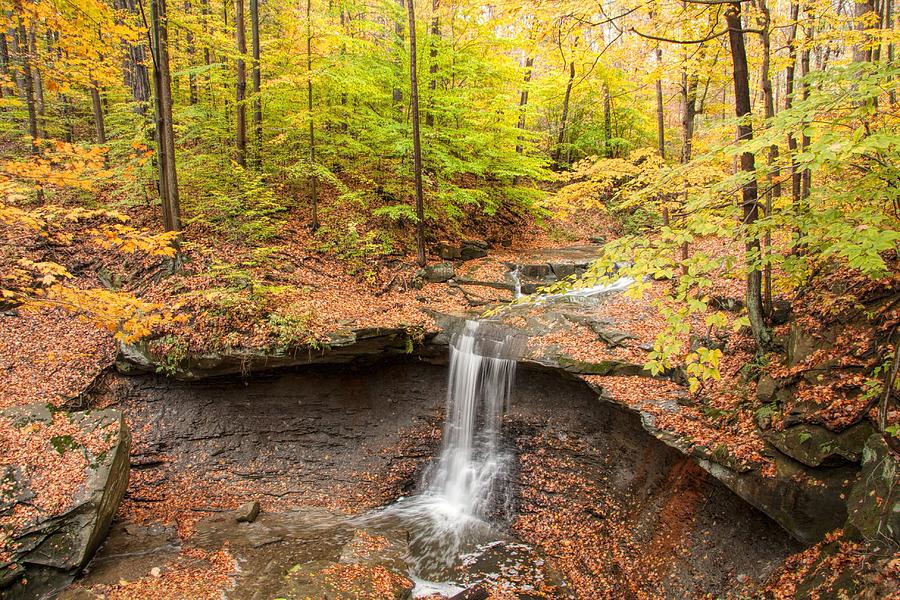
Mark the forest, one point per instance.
(447, 299)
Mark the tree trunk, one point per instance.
(97, 106)
(397, 93)
(557, 152)
(433, 69)
(257, 81)
(207, 54)
(309, 107)
(607, 121)
(21, 43)
(165, 135)
(192, 78)
(241, 86)
(689, 84)
(140, 78)
(38, 82)
(806, 176)
(660, 117)
(750, 201)
(417, 145)
(789, 100)
(862, 51)
(523, 102)
(4, 62)
(889, 24)
(774, 187)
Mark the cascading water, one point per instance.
(466, 486)
(471, 460)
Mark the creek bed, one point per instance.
(597, 507)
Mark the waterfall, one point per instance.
(465, 488)
(517, 281)
(482, 370)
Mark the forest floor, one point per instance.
(290, 293)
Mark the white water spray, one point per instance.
(466, 487)
(482, 370)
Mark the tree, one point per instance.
(417, 144)
(561, 136)
(240, 85)
(165, 134)
(749, 192)
(256, 78)
(313, 194)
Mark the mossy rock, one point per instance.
(340, 581)
(816, 446)
(824, 583)
(50, 552)
(873, 510)
(611, 368)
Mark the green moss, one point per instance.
(62, 443)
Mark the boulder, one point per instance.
(801, 343)
(247, 513)
(806, 502)
(815, 446)
(437, 273)
(872, 509)
(448, 252)
(536, 270)
(47, 554)
(561, 270)
(472, 252)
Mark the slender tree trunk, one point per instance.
(5, 69)
(241, 87)
(433, 68)
(789, 100)
(205, 13)
(523, 103)
(806, 176)
(140, 78)
(661, 135)
(397, 93)
(190, 49)
(689, 85)
(309, 106)
(18, 65)
(660, 116)
(344, 126)
(750, 200)
(889, 25)
(862, 51)
(165, 134)
(417, 145)
(557, 152)
(27, 84)
(97, 106)
(256, 77)
(607, 121)
(772, 176)
(38, 82)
